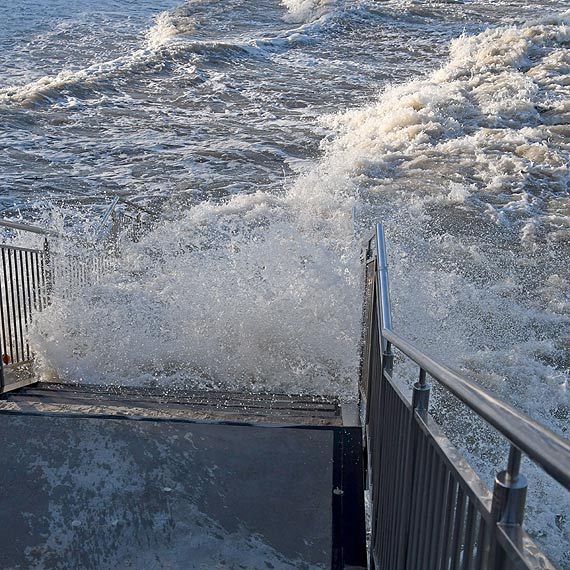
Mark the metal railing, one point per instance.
(127, 221)
(430, 511)
(24, 290)
(29, 275)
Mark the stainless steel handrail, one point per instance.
(539, 443)
(106, 216)
(108, 213)
(429, 508)
(383, 277)
(28, 228)
(137, 206)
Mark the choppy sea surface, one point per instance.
(271, 135)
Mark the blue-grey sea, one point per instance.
(271, 135)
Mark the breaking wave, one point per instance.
(488, 129)
(176, 34)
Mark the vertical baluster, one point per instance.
(443, 521)
(34, 269)
(426, 505)
(48, 275)
(419, 468)
(444, 554)
(24, 306)
(29, 307)
(458, 530)
(436, 521)
(403, 485)
(3, 308)
(469, 536)
(42, 292)
(484, 546)
(14, 315)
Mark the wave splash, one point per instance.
(440, 147)
(241, 295)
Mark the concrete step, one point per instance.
(182, 404)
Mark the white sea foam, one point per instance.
(307, 10)
(495, 116)
(241, 295)
(288, 262)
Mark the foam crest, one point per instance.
(171, 26)
(87, 81)
(170, 37)
(492, 117)
(163, 30)
(168, 27)
(307, 10)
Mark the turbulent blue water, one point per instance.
(258, 128)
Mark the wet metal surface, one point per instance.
(280, 409)
(109, 493)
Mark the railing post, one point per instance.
(387, 356)
(509, 498)
(421, 393)
(509, 494)
(3, 338)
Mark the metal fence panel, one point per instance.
(430, 511)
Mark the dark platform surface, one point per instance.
(88, 491)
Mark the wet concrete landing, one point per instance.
(104, 493)
(70, 399)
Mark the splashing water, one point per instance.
(262, 127)
(217, 299)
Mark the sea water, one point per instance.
(272, 136)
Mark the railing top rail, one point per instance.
(5, 246)
(383, 274)
(539, 443)
(106, 216)
(28, 228)
(19, 226)
(137, 206)
(99, 232)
